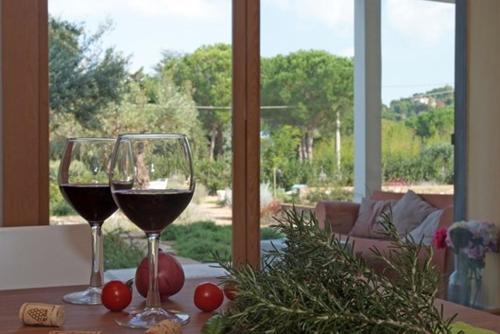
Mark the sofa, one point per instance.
(341, 216)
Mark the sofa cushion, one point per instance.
(425, 231)
(409, 212)
(363, 248)
(369, 212)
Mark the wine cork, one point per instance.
(38, 314)
(166, 327)
(75, 332)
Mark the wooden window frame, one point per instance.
(24, 198)
(25, 114)
(246, 132)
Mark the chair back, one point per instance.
(44, 256)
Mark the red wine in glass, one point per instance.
(84, 183)
(153, 210)
(151, 178)
(92, 201)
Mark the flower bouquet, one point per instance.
(469, 241)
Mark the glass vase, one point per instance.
(465, 282)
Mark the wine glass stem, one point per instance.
(97, 266)
(153, 298)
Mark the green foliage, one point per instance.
(434, 163)
(405, 108)
(317, 284)
(172, 110)
(214, 174)
(199, 240)
(434, 122)
(315, 86)
(314, 82)
(333, 194)
(206, 75)
(398, 139)
(57, 205)
(279, 150)
(83, 77)
(118, 253)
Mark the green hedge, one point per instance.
(433, 164)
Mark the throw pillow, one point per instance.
(409, 212)
(425, 231)
(367, 218)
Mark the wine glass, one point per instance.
(151, 178)
(84, 183)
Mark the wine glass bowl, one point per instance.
(84, 183)
(151, 179)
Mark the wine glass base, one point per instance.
(90, 296)
(150, 317)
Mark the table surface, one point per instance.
(98, 318)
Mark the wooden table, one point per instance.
(92, 317)
(98, 318)
(471, 316)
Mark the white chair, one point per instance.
(44, 256)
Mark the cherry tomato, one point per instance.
(208, 297)
(230, 290)
(116, 295)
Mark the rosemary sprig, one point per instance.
(317, 284)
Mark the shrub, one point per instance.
(434, 164)
(58, 205)
(118, 253)
(334, 194)
(214, 174)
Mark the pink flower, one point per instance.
(439, 239)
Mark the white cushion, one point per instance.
(425, 231)
(409, 212)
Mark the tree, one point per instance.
(318, 89)
(171, 111)
(84, 78)
(443, 94)
(278, 151)
(206, 74)
(407, 107)
(434, 122)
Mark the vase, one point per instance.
(465, 282)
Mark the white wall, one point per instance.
(483, 114)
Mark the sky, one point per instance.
(417, 35)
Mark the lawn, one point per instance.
(200, 240)
(197, 241)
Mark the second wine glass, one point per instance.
(151, 178)
(84, 183)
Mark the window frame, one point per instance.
(25, 120)
(24, 199)
(25, 112)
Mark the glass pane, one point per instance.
(147, 66)
(417, 92)
(307, 103)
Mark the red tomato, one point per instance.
(230, 291)
(208, 297)
(116, 295)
